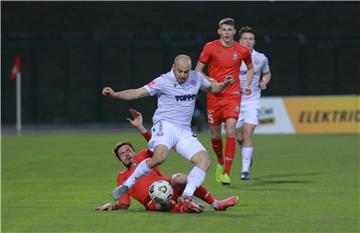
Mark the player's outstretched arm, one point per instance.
(130, 94)
(200, 67)
(110, 207)
(137, 120)
(216, 88)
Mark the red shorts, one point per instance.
(221, 109)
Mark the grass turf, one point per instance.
(299, 183)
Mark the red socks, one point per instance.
(217, 145)
(230, 148)
(204, 195)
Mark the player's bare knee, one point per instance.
(240, 141)
(239, 136)
(248, 137)
(205, 163)
(178, 179)
(202, 160)
(215, 135)
(230, 133)
(158, 159)
(230, 127)
(215, 132)
(160, 154)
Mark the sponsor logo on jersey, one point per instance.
(152, 84)
(185, 97)
(235, 56)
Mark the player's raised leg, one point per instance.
(144, 168)
(190, 148)
(197, 175)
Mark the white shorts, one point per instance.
(182, 140)
(249, 113)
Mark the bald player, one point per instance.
(176, 92)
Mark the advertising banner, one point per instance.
(274, 117)
(333, 114)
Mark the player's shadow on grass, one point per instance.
(209, 212)
(288, 175)
(276, 179)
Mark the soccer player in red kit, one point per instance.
(139, 191)
(223, 58)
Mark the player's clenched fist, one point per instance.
(247, 91)
(107, 91)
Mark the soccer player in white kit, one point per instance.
(176, 92)
(250, 105)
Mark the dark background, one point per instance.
(70, 50)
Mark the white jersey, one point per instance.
(261, 65)
(176, 102)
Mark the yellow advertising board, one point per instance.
(324, 114)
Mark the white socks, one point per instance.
(194, 180)
(141, 170)
(246, 158)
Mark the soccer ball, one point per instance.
(161, 191)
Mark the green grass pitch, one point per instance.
(300, 183)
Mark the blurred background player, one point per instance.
(126, 154)
(250, 104)
(223, 58)
(176, 92)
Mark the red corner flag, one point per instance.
(16, 68)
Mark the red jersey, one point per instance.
(139, 190)
(223, 61)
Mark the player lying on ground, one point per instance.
(139, 191)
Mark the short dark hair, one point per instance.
(120, 144)
(228, 21)
(247, 29)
